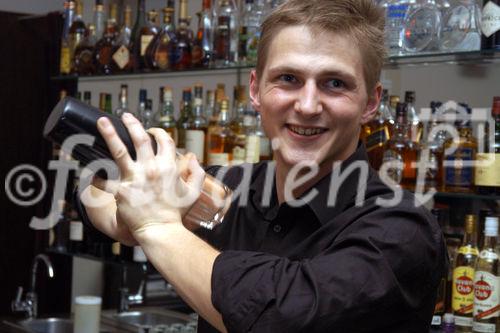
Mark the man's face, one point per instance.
(312, 96)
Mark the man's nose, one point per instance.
(309, 100)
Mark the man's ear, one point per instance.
(254, 91)
(372, 104)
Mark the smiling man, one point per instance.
(278, 267)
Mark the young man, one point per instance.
(303, 262)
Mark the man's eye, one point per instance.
(335, 84)
(288, 78)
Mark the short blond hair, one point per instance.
(361, 20)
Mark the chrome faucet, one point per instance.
(126, 298)
(30, 303)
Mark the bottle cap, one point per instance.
(491, 226)
(470, 223)
(448, 318)
(88, 300)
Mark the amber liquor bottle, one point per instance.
(83, 61)
(487, 282)
(103, 53)
(237, 126)
(122, 59)
(197, 129)
(462, 293)
(77, 31)
(377, 132)
(416, 126)
(202, 46)
(142, 35)
(160, 53)
(165, 117)
(65, 52)
(222, 38)
(183, 123)
(183, 50)
(400, 149)
(219, 136)
(458, 165)
(487, 169)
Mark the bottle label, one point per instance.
(121, 57)
(490, 20)
(238, 155)
(463, 290)
(65, 65)
(436, 320)
(145, 40)
(487, 170)
(218, 159)
(484, 327)
(397, 11)
(456, 173)
(463, 321)
(195, 140)
(377, 138)
(252, 147)
(395, 173)
(486, 295)
(76, 231)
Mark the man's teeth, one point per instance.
(306, 131)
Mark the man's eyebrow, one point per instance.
(326, 73)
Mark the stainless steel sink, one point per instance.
(134, 321)
(47, 325)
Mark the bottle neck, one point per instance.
(470, 239)
(123, 99)
(490, 242)
(141, 12)
(168, 108)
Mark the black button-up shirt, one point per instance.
(321, 268)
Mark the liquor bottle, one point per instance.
(244, 31)
(458, 169)
(87, 97)
(487, 282)
(401, 149)
(102, 101)
(123, 102)
(76, 233)
(99, 19)
(393, 102)
(143, 96)
(219, 146)
(220, 95)
(395, 14)
(237, 126)
(252, 137)
(440, 305)
(160, 53)
(433, 151)
(461, 26)
(421, 27)
(448, 323)
(184, 120)
(148, 116)
(197, 129)
(202, 52)
(416, 126)
(83, 60)
(463, 277)
(226, 33)
(108, 108)
(65, 55)
(60, 230)
(490, 25)
(122, 58)
(265, 151)
(153, 21)
(141, 36)
(377, 132)
(165, 117)
(183, 50)
(487, 168)
(103, 52)
(77, 31)
(209, 105)
(250, 32)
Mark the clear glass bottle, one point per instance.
(219, 135)
(196, 132)
(143, 96)
(148, 116)
(160, 53)
(122, 58)
(265, 151)
(416, 126)
(395, 15)
(422, 27)
(487, 282)
(165, 117)
(463, 277)
(123, 102)
(461, 30)
(99, 19)
(226, 33)
(202, 47)
(183, 50)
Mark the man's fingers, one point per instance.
(115, 145)
(165, 143)
(141, 139)
(110, 186)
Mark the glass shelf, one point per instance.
(451, 58)
(466, 196)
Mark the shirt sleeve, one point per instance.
(365, 280)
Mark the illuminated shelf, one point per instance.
(438, 58)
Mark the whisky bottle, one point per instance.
(123, 102)
(487, 169)
(122, 61)
(65, 55)
(458, 169)
(77, 31)
(99, 19)
(202, 47)
(440, 304)
(141, 36)
(197, 129)
(83, 60)
(237, 126)
(184, 120)
(102, 101)
(376, 133)
(103, 55)
(249, 33)
(223, 35)
(143, 96)
(252, 137)
(490, 25)
(220, 95)
(487, 282)
(219, 146)
(209, 105)
(148, 116)
(401, 149)
(184, 35)
(165, 117)
(463, 277)
(160, 53)
(76, 232)
(416, 126)
(87, 97)
(108, 104)
(265, 151)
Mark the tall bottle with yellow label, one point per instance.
(463, 277)
(487, 282)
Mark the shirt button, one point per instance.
(277, 228)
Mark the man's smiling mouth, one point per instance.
(306, 131)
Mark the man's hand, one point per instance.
(150, 191)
